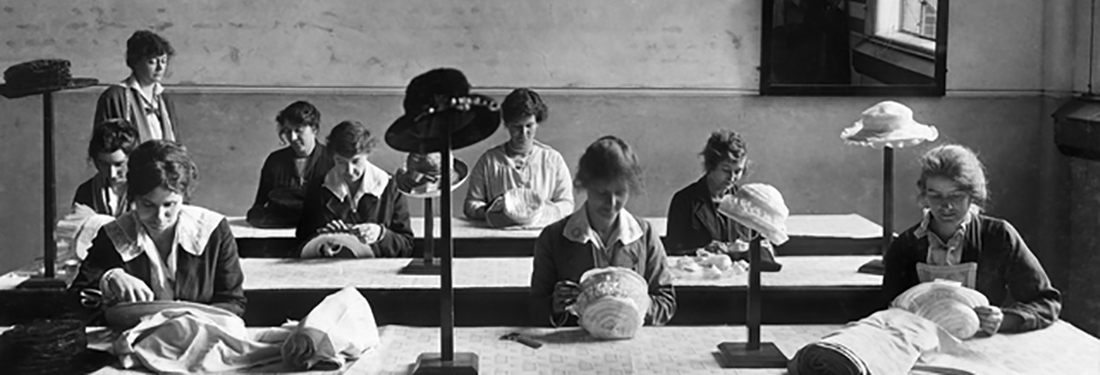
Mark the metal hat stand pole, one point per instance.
(428, 264)
(876, 266)
(446, 361)
(49, 201)
(752, 354)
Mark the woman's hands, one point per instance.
(368, 233)
(119, 286)
(565, 294)
(992, 320)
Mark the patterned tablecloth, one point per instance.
(1060, 349)
(266, 273)
(1057, 350)
(823, 226)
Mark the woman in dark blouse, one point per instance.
(955, 241)
(693, 219)
(287, 172)
(600, 234)
(164, 249)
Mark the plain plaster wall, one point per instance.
(660, 74)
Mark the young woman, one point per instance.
(600, 234)
(522, 162)
(693, 219)
(356, 196)
(288, 171)
(955, 241)
(110, 147)
(140, 98)
(164, 249)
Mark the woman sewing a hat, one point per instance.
(693, 219)
(955, 241)
(164, 249)
(600, 234)
(140, 97)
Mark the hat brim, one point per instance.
(427, 134)
(13, 92)
(459, 174)
(343, 242)
(910, 134)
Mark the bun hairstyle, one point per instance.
(723, 145)
(609, 159)
(145, 44)
(299, 113)
(160, 163)
(959, 164)
(112, 135)
(523, 102)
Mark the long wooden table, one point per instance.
(1059, 349)
(493, 292)
(848, 234)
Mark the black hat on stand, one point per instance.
(40, 76)
(430, 99)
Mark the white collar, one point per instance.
(194, 227)
(132, 82)
(926, 222)
(373, 182)
(577, 228)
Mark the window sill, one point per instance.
(893, 63)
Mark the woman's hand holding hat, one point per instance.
(335, 226)
(119, 286)
(368, 233)
(565, 294)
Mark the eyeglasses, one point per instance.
(955, 199)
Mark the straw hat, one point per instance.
(759, 207)
(336, 245)
(888, 124)
(517, 207)
(420, 177)
(438, 99)
(612, 303)
(40, 76)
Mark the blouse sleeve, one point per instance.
(229, 279)
(397, 239)
(111, 105)
(101, 258)
(1036, 300)
(900, 269)
(476, 201)
(661, 292)
(561, 199)
(543, 278)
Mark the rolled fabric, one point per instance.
(946, 303)
(612, 303)
(338, 329)
(759, 207)
(336, 245)
(886, 342)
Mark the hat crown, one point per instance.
(887, 116)
(765, 197)
(434, 89)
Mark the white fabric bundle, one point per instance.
(946, 303)
(612, 303)
(338, 329)
(887, 342)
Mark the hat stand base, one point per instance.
(421, 267)
(464, 363)
(739, 355)
(39, 282)
(874, 267)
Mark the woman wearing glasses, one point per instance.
(955, 241)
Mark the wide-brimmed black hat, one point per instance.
(40, 76)
(438, 100)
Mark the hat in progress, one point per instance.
(40, 76)
(438, 100)
(759, 207)
(612, 303)
(336, 245)
(519, 207)
(888, 124)
(421, 176)
(947, 303)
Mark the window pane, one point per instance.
(918, 17)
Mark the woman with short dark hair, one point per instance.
(600, 234)
(164, 249)
(955, 241)
(693, 219)
(140, 98)
(357, 197)
(288, 171)
(109, 149)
